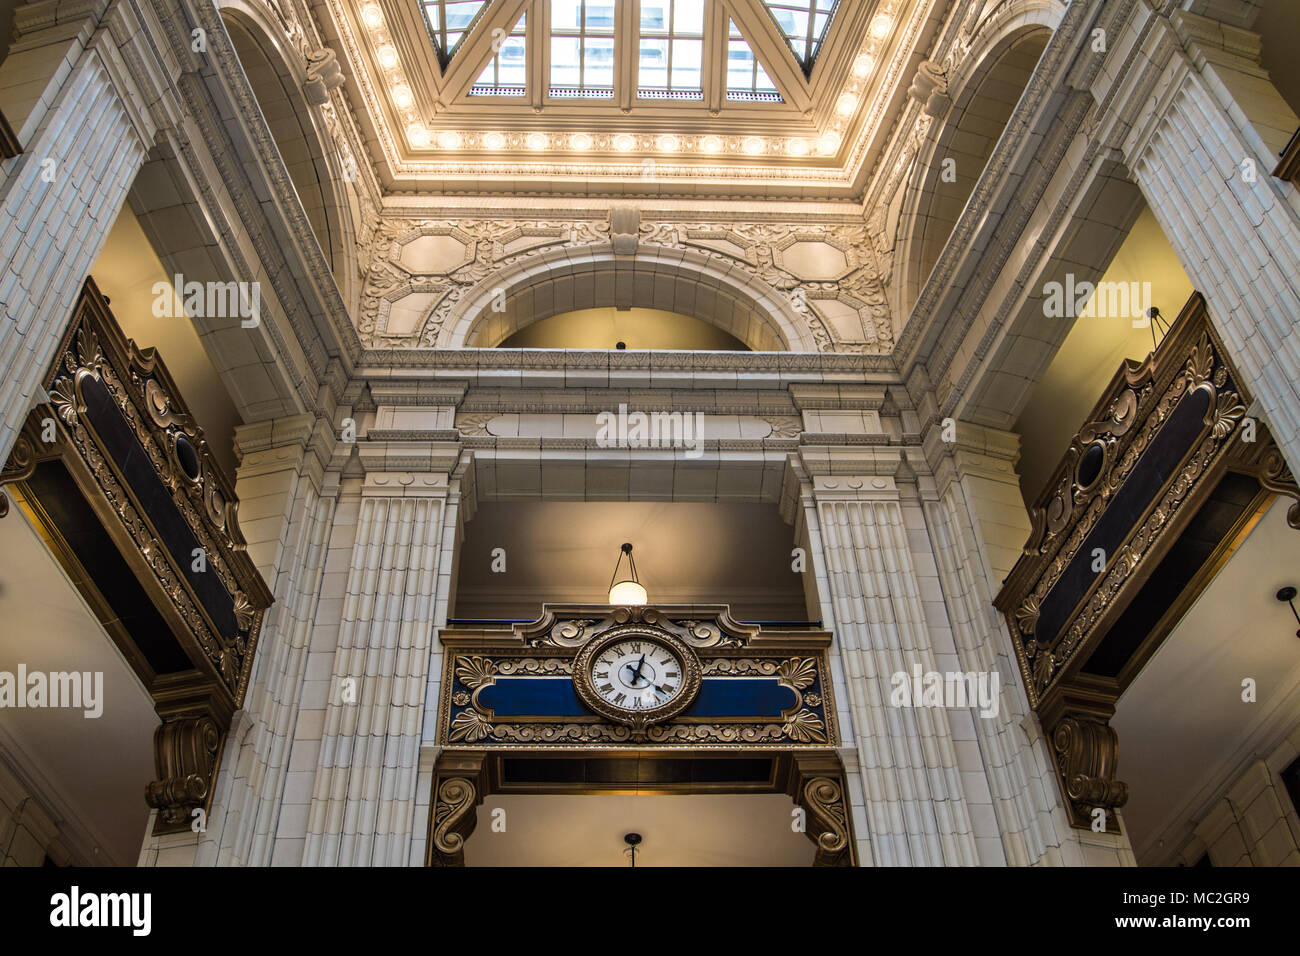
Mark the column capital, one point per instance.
(954, 449)
(294, 441)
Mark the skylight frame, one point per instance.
(676, 36)
(583, 32)
(755, 92)
(812, 40)
(495, 87)
(439, 32)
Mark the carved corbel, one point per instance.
(930, 89)
(187, 751)
(21, 465)
(818, 788)
(323, 76)
(459, 785)
(1085, 750)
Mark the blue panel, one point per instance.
(532, 697)
(741, 697)
(555, 697)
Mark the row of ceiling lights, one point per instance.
(419, 135)
(827, 144)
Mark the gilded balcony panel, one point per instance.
(1168, 453)
(120, 482)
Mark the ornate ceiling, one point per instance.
(690, 97)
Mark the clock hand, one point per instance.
(636, 675)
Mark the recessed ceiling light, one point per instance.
(417, 134)
(829, 142)
(711, 144)
(798, 147)
(846, 104)
(881, 25)
(624, 143)
(863, 65)
(537, 141)
(402, 97)
(580, 141)
(387, 57)
(494, 141)
(668, 143)
(754, 145)
(449, 139)
(373, 16)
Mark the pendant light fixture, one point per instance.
(629, 590)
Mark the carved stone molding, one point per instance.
(830, 271)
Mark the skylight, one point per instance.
(671, 56)
(804, 23)
(450, 20)
(582, 48)
(746, 78)
(507, 72)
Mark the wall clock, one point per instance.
(637, 676)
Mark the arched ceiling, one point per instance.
(756, 96)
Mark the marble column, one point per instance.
(915, 809)
(1213, 125)
(978, 524)
(364, 799)
(287, 502)
(73, 103)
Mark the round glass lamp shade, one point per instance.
(626, 593)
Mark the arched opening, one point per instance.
(286, 115)
(687, 284)
(963, 148)
(633, 328)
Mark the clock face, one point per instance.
(637, 674)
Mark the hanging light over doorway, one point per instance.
(628, 591)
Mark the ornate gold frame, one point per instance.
(1073, 704)
(195, 705)
(638, 721)
(476, 748)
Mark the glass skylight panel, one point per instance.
(507, 72)
(582, 48)
(746, 78)
(804, 23)
(450, 20)
(671, 49)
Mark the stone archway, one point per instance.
(674, 280)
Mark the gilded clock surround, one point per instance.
(637, 720)
(787, 671)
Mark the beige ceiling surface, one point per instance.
(686, 553)
(636, 328)
(98, 767)
(126, 271)
(1182, 724)
(1093, 351)
(676, 830)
